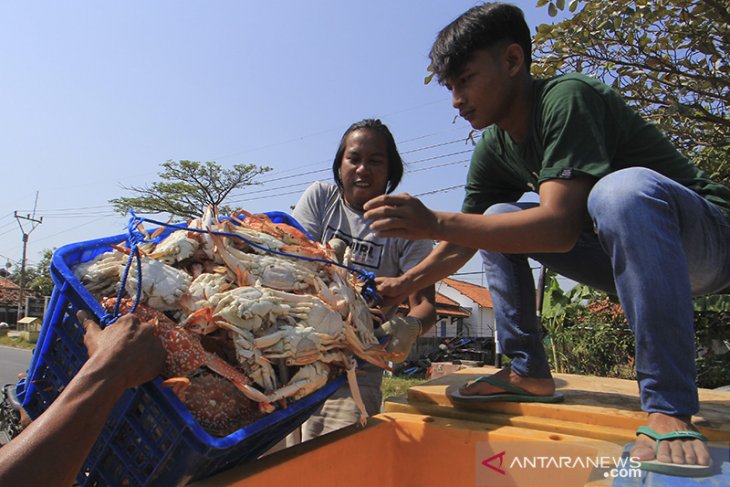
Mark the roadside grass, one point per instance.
(16, 342)
(395, 386)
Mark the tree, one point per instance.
(40, 283)
(667, 58)
(38, 280)
(188, 187)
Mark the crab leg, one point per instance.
(221, 367)
(355, 391)
(375, 357)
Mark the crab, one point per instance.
(297, 345)
(282, 231)
(258, 367)
(202, 287)
(101, 274)
(162, 285)
(185, 354)
(250, 234)
(178, 246)
(217, 404)
(271, 271)
(205, 224)
(308, 379)
(237, 319)
(249, 308)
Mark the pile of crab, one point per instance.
(245, 330)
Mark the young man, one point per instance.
(620, 209)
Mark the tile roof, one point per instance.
(444, 306)
(478, 294)
(9, 292)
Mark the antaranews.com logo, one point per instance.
(549, 464)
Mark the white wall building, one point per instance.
(473, 299)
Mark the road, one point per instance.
(13, 361)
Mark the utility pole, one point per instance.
(33, 223)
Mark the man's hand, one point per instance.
(402, 216)
(128, 350)
(403, 333)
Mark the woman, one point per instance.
(367, 164)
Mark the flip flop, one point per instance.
(512, 393)
(677, 469)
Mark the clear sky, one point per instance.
(95, 95)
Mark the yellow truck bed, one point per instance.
(422, 439)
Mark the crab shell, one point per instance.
(218, 406)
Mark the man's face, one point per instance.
(482, 91)
(364, 167)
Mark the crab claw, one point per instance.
(178, 385)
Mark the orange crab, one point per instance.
(217, 405)
(185, 354)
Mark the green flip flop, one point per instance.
(512, 393)
(677, 469)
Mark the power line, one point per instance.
(106, 210)
(303, 137)
(326, 170)
(64, 210)
(438, 165)
(431, 146)
(442, 190)
(73, 229)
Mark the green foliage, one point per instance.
(558, 310)
(668, 59)
(395, 386)
(588, 334)
(37, 278)
(41, 283)
(188, 187)
(712, 329)
(16, 342)
(601, 342)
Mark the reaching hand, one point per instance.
(127, 350)
(402, 216)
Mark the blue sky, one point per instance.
(95, 95)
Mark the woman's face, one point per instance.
(364, 167)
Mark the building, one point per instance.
(462, 309)
(473, 299)
(9, 295)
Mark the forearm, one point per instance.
(444, 260)
(528, 231)
(422, 306)
(54, 446)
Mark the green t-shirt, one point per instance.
(579, 126)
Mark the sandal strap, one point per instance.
(501, 384)
(682, 434)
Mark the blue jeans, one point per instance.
(652, 242)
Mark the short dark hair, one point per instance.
(395, 163)
(480, 27)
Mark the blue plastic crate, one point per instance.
(150, 437)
